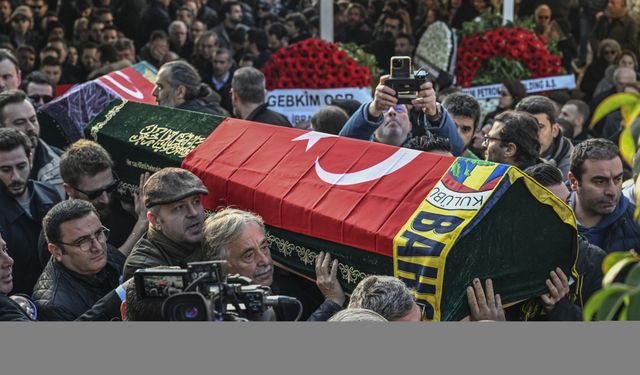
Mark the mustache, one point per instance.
(263, 270)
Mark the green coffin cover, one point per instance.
(145, 138)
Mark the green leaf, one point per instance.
(611, 259)
(615, 270)
(633, 277)
(631, 114)
(633, 310)
(597, 299)
(612, 302)
(627, 145)
(612, 103)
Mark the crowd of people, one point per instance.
(70, 246)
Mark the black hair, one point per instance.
(521, 129)
(463, 104)
(62, 212)
(429, 143)
(537, 104)
(12, 138)
(591, 149)
(545, 174)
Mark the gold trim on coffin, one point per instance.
(308, 257)
(112, 112)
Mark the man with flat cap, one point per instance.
(176, 217)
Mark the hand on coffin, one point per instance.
(558, 286)
(138, 203)
(484, 306)
(327, 278)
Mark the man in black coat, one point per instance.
(82, 269)
(248, 98)
(11, 310)
(24, 203)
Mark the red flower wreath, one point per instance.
(515, 43)
(314, 64)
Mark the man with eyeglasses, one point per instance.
(384, 120)
(87, 172)
(513, 139)
(83, 268)
(23, 202)
(16, 111)
(22, 309)
(176, 215)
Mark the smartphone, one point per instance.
(400, 67)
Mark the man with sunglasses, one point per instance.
(87, 172)
(38, 88)
(83, 268)
(384, 120)
(23, 202)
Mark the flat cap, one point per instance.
(169, 185)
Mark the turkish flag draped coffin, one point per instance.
(379, 209)
(316, 184)
(62, 121)
(145, 138)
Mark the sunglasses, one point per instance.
(92, 195)
(398, 108)
(20, 19)
(608, 52)
(39, 98)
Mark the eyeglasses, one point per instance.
(91, 195)
(487, 138)
(84, 243)
(608, 52)
(19, 20)
(543, 17)
(398, 108)
(43, 98)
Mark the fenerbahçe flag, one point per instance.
(436, 222)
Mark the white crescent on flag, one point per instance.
(399, 159)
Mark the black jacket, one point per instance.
(103, 310)
(155, 249)
(62, 294)
(10, 311)
(21, 231)
(210, 105)
(267, 116)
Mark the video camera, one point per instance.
(200, 293)
(403, 81)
